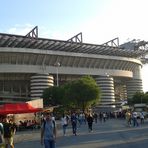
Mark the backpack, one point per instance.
(1, 130)
(7, 130)
(44, 123)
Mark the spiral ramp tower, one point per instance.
(135, 84)
(106, 85)
(39, 82)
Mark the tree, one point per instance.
(52, 96)
(139, 97)
(79, 93)
(84, 92)
(145, 98)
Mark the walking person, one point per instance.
(135, 122)
(83, 118)
(64, 123)
(95, 116)
(48, 132)
(1, 134)
(90, 122)
(80, 119)
(128, 117)
(9, 131)
(104, 116)
(142, 117)
(74, 123)
(101, 116)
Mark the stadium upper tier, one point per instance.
(18, 41)
(29, 64)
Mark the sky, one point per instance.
(98, 20)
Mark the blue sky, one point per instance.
(98, 20)
(56, 15)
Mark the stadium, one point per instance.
(29, 64)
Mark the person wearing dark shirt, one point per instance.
(74, 123)
(9, 131)
(90, 122)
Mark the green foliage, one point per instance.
(83, 92)
(52, 96)
(68, 101)
(145, 98)
(139, 97)
(77, 94)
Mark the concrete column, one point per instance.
(134, 85)
(39, 82)
(106, 84)
(124, 93)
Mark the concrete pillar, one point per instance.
(39, 82)
(124, 93)
(106, 84)
(135, 84)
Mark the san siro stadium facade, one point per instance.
(29, 64)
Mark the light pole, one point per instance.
(57, 64)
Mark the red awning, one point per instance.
(18, 108)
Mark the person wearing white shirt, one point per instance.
(142, 117)
(64, 123)
(135, 122)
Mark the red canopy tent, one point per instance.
(18, 108)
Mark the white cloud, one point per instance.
(123, 19)
(43, 32)
(20, 29)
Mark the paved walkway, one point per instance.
(35, 134)
(112, 134)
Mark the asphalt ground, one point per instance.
(111, 134)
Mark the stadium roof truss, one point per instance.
(74, 45)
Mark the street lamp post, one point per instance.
(57, 64)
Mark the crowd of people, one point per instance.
(7, 131)
(74, 120)
(77, 119)
(48, 126)
(132, 118)
(28, 124)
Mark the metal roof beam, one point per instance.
(33, 33)
(75, 49)
(77, 38)
(114, 42)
